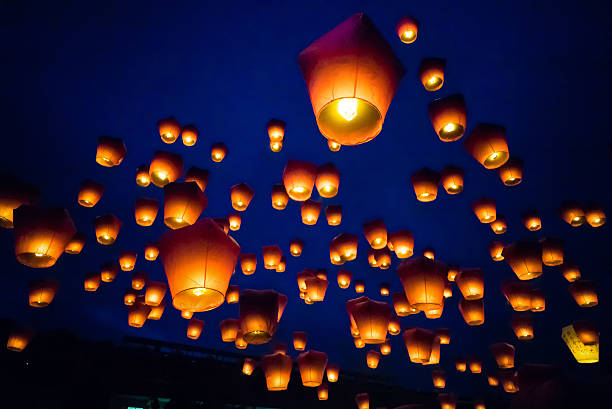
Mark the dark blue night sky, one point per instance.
(72, 71)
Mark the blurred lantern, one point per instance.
(487, 144)
(509, 382)
(190, 135)
(448, 290)
(532, 221)
(428, 252)
(199, 261)
(302, 276)
(552, 251)
(479, 404)
(316, 288)
(109, 272)
(194, 328)
(248, 263)
(145, 211)
(295, 247)
(299, 340)
(595, 215)
(444, 335)
(425, 183)
(449, 117)
(18, 340)
(157, 312)
(241, 196)
(447, 401)
(127, 260)
(525, 259)
(139, 280)
(584, 293)
(492, 380)
(372, 359)
(197, 175)
(166, 167)
(279, 197)
(310, 212)
(110, 152)
(351, 74)
(14, 193)
(41, 235)
(362, 400)
(407, 30)
(359, 286)
(375, 232)
(431, 73)
(260, 312)
(472, 311)
(511, 173)
(232, 296)
(402, 243)
(496, 249)
(90, 193)
(484, 208)
(572, 213)
(499, 225)
(402, 306)
(76, 244)
(371, 318)
(435, 313)
(587, 332)
(438, 376)
(312, 367)
(419, 344)
(344, 279)
(518, 294)
(371, 258)
(384, 288)
(453, 270)
(169, 129)
(277, 369)
(183, 204)
(343, 248)
(155, 293)
(240, 342)
(423, 280)
(223, 223)
(235, 220)
(129, 298)
(333, 146)
(327, 180)
(323, 391)
(570, 272)
(383, 258)
(151, 251)
(142, 175)
(333, 213)
(41, 292)
(538, 301)
(276, 133)
(218, 151)
(248, 366)
(271, 256)
(229, 329)
(186, 314)
(137, 314)
(503, 354)
(385, 347)
(333, 373)
(358, 343)
(452, 179)
(299, 179)
(471, 283)
(460, 364)
(475, 365)
(522, 325)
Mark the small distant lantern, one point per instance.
(187, 315)
(241, 196)
(107, 228)
(499, 225)
(109, 272)
(327, 180)
(384, 289)
(127, 260)
(447, 401)
(310, 212)
(359, 286)
(295, 247)
(277, 369)
(299, 179)
(402, 243)
(574, 337)
(166, 167)
(538, 301)
(358, 343)
(137, 315)
(375, 232)
(129, 298)
(232, 296)
(333, 373)
(496, 249)
(452, 179)
(279, 197)
(312, 367)
(248, 263)
(448, 290)
(42, 292)
(471, 283)
(157, 312)
(503, 354)
(323, 391)
(402, 306)
(484, 209)
(425, 183)
(240, 342)
(91, 282)
(438, 376)
(552, 251)
(487, 144)
(572, 213)
(110, 152)
(333, 213)
(532, 221)
(419, 344)
(155, 293)
(169, 129)
(595, 215)
(14, 193)
(248, 366)
(395, 327)
(190, 135)
(472, 311)
(584, 293)
(272, 256)
(299, 340)
(90, 193)
(371, 318)
(492, 380)
(423, 280)
(475, 365)
(194, 328)
(460, 364)
(18, 340)
(218, 152)
(522, 325)
(276, 133)
(235, 220)
(428, 252)
(333, 146)
(511, 173)
(525, 259)
(518, 294)
(344, 279)
(316, 288)
(372, 359)
(229, 329)
(385, 347)
(76, 244)
(407, 30)
(431, 73)
(151, 251)
(444, 335)
(183, 204)
(142, 175)
(453, 270)
(570, 272)
(197, 175)
(139, 280)
(449, 117)
(260, 311)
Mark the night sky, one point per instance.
(72, 71)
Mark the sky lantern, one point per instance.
(166, 167)
(312, 367)
(111, 151)
(248, 366)
(91, 282)
(156, 312)
(362, 400)
(435, 313)
(453, 271)
(371, 258)
(487, 144)
(323, 391)
(496, 249)
(484, 209)
(492, 380)
(522, 325)
(142, 175)
(448, 290)
(299, 340)
(570, 272)
(187, 315)
(240, 342)
(538, 301)
(333, 146)
(154, 295)
(108, 272)
(471, 283)
(431, 73)
(198, 261)
(447, 401)
(107, 228)
(279, 197)
(277, 369)
(316, 288)
(371, 318)
(344, 279)
(407, 29)
(419, 343)
(444, 335)
(428, 252)
(299, 179)
(402, 243)
(189, 135)
(19, 339)
(345, 246)
(272, 256)
(472, 311)
(169, 129)
(479, 404)
(41, 292)
(333, 213)
(475, 365)
(276, 133)
(229, 329)
(552, 251)
(372, 359)
(375, 232)
(582, 339)
(327, 180)
(509, 382)
(402, 306)
(384, 289)
(235, 220)
(302, 276)
(358, 342)
(139, 280)
(595, 215)
(310, 211)
(448, 116)
(460, 364)
(438, 376)
(333, 373)
(151, 251)
(90, 193)
(14, 193)
(525, 259)
(241, 195)
(295, 247)
(351, 74)
(248, 263)
(452, 179)
(137, 314)
(76, 244)
(233, 294)
(518, 294)
(572, 213)
(511, 173)
(503, 354)
(584, 293)
(532, 221)
(359, 286)
(194, 328)
(423, 280)
(127, 260)
(183, 204)
(41, 235)
(218, 151)
(425, 183)
(197, 175)
(129, 298)
(385, 347)
(499, 225)
(383, 258)
(260, 312)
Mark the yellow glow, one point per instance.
(450, 127)
(239, 204)
(493, 156)
(38, 254)
(425, 194)
(143, 180)
(402, 251)
(309, 219)
(576, 219)
(217, 156)
(499, 228)
(409, 34)
(162, 175)
(198, 291)
(299, 189)
(453, 186)
(347, 108)
(85, 202)
(487, 217)
(334, 145)
(534, 225)
(377, 241)
(432, 80)
(179, 220)
(187, 140)
(511, 179)
(597, 220)
(327, 188)
(279, 203)
(105, 236)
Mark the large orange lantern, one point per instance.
(487, 144)
(472, 311)
(271, 256)
(496, 249)
(218, 152)
(169, 129)
(362, 400)
(522, 325)
(156, 290)
(538, 301)
(312, 367)
(299, 179)
(407, 30)
(199, 261)
(327, 180)
(279, 197)
(18, 340)
(110, 152)
(351, 74)
(108, 272)
(525, 259)
(248, 366)
(189, 134)
(42, 292)
(471, 283)
(344, 279)
(76, 244)
(438, 376)
(431, 73)
(425, 183)
(570, 272)
(323, 391)
(235, 220)
(503, 354)
(107, 229)
(166, 167)
(419, 344)
(343, 248)
(229, 329)
(232, 296)
(371, 318)
(295, 247)
(194, 328)
(449, 117)
(333, 373)
(137, 314)
(402, 243)
(151, 251)
(444, 335)
(333, 213)
(572, 213)
(139, 280)
(127, 260)
(310, 211)
(197, 175)
(423, 280)
(511, 173)
(499, 225)
(277, 369)
(241, 195)
(142, 175)
(276, 133)
(452, 179)
(584, 293)
(91, 282)
(248, 263)
(90, 193)
(260, 312)
(518, 294)
(372, 359)
(299, 340)
(183, 204)
(484, 209)
(552, 251)
(595, 215)
(375, 232)
(14, 193)
(41, 235)
(532, 221)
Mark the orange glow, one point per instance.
(371, 319)
(423, 280)
(359, 286)
(484, 209)
(323, 391)
(296, 247)
(344, 247)
(90, 193)
(151, 251)
(496, 249)
(402, 243)
(42, 292)
(452, 179)
(525, 259)
(460, 365)
(449, 117)
(129, 298)
(384, 289)
(453, 270)
(248, 366)
(183, 204)
(327, 180)
(493, 381)
(218, 151)
(375, 232)
(299, 179)
(111, 151)
(532, 221)
(385, 347)
(472, 311)
(248, 263)
(127, 260)
(276, 130)
(241, 195)
(584, 293)
(439, 378)
(487, 144)
(142, 175)
(312, 367)
(570, 272)
(425, 183)
(194, 328)
(407, 30)
(279, 197)
(14, 193)
(344, 279)
(538, 301)
(145, 211)
(333, 146)
(260, 312)
(572, 213)
(372, 359)
(499, 226)
(503, 354)
(444, 335)
(419, 344)
(92, 282)
(448, 290)
(475, 365)
(240, 342)
(333, 213)
(157, 312)
(109, 272)
(522, 325)
(197, 175)
(471, 283)
(428, 252)
(431, 73)
(232, 296)
(137, 315)
(235, 220)
(552, 251)
(190, 135)
(316, 288)
(155, 293)
(277, 369)
(595, 216)
(511, 173)
(518, 294)
(166, 167)
(402, 306)
(587, 332)
(139, 280)
(169, 129)
(310, 211)
(272, 256)
(447, 401)
(76, 244)
(186, 314)
(299, 340)
(18, 340)
(229, 329)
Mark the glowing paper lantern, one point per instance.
(312, 367)
(402, 243)
(407, 30)
(109, 272)
(525, 259)
(169, 129)
(272, 256)
(333, 213)
(351, 74)
(487, 144)
(359, 286)
(438, 376)
(538, 301)
(460, 364)
(76, 244)
(431, 73)
(371, 318)
(595, 216)
(91, 282)
(587, 332)
(187, 315)
(218, 151)
(532, 221)
(127, 260)
(583, 353)
(316, 288)
(295, 247)
(155, 293)
(518, 294)
(129, 298)
(472, 311)
(384, 288)
(235, 220)
(277, 369)
(166, 167)
(327, 180)
(310, 211)
(280, 347)
(499, 225)
(142, 175)
(157, 312)
(233, 294)
(137, 314)
(110, 152)
(343, 248)
(323, 391)
(183, 204)
(248, 263)
(299, 179)
(570, 271)
(42, 292)
(584, 293)
(344, 279)
(423, 280)
(511, 173)
(448, 290)
(190, 135)
(299, 340)
(447, 401)
(240, 342)
(260, 312)
(435, 313)
(425, 183)
(503, 354)
(453, 270)
(372, 359)
(333, 373)
(229, 329)
(496, 249)
(90, 193)
(452, 179)
(14, 193)
(428, 252)
(375, 232)
(522, 325)
(151, 251)
(276, 133)
(484, 209)
(358, 343)
(492, 380)
(402, 306)
(419, 344)
(18, 340)
(279, 197)
(572, 213)
(41, 235)
(197, 175)
(449, 117)
(194, 328)
(139, 280)
(471, 283)
(444, 335)
(475, 365)
(198, 261)
(552, 251)
(107, 228)
(479, 404)
(241, 196)
(333, 146)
